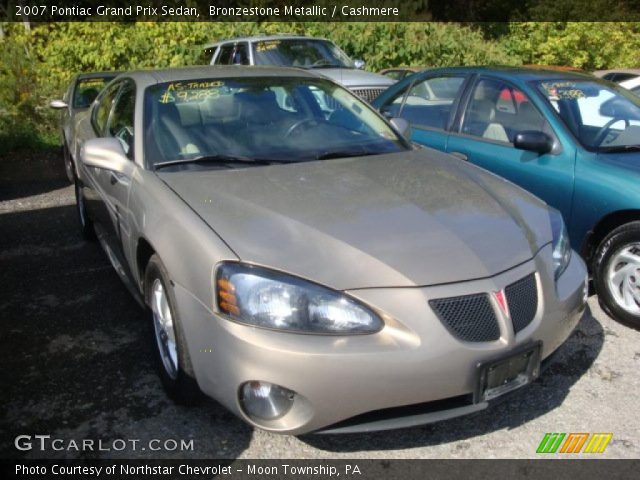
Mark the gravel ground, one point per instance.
(77, 363)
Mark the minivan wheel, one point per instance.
(170, 348)
(87, 231)
(616, 274)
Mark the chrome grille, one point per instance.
(522, 298)
(470, 318)
(368, 94)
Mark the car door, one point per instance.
(90, 127)
(429, 105)
(106, 192)
(114, 186)
(493, 112)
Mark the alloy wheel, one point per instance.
(164, 329)
(623, 278)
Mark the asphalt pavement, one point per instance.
(77, 364)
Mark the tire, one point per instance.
(619, 295)
(68, 163)
(87, 232)
(172, 358)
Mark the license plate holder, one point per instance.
(506, 374)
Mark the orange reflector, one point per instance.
(228, 297)
(228, 308)
(226, 285)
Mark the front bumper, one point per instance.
(414, 361)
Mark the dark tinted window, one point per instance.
(620, 77)
(241, 55)
(226, 53)
(101, 113)
(121, 121)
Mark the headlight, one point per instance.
(265, 298)
(561, 245)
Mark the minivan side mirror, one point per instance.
(402, 126)
(108, 154)
(58, 104)
(533, 141)
(359, 64)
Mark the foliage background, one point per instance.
(37, 63)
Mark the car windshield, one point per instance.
(266, 119)
(87, 89)
(602, 117)
(303, 53)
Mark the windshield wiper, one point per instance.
(344, 154)
(220, 159)
(325, 65)
(620, 148)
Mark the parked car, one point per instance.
(310, 269)
(632, 84)
(398, 73)
(571, 139)
(82, 91)
(618, 75)
(318, 54)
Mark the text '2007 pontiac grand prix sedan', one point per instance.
(307, 267)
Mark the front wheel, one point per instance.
(616, 274)
(86, 225)
(68, 163)
(169, 342)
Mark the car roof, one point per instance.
(150, 77)
(524, 74)
(263, 38)
(83, 76)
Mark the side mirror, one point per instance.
(106, 153)
(58, 104)
(386, 112)
(359, 64)
(533, 141)
(402, 126)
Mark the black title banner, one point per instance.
(320, 10)
(299, 469)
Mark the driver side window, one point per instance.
(101, 113)
(121, 120)
(498, 111)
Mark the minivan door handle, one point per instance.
(460, 155)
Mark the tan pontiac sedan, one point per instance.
(307, 267)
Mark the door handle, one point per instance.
(460, 155)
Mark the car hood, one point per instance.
(351, 78)
(415, 218)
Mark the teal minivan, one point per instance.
(569, 138)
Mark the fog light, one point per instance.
(265, 401)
